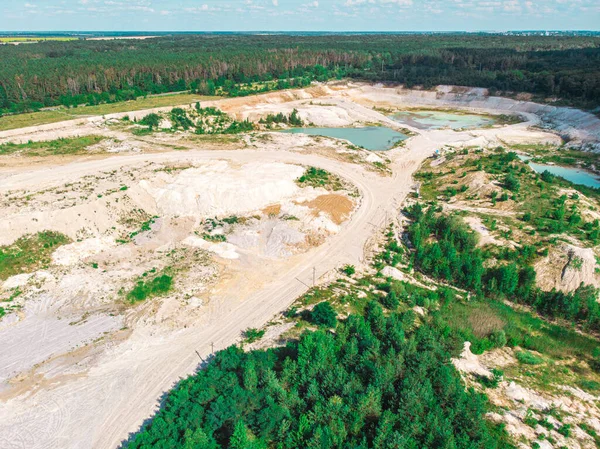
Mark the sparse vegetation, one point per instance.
(145, 226)
(293, 119)
(201, 121)
(66, 146)
(317, 177)
(29, 253)
(144, 289)
(252, 335)
(217, 238)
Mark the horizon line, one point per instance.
(541, 30)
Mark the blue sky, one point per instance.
(298, 15)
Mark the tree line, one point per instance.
(91, 72)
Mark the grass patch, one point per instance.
(59, 115)
(317, 177)
(75, 145)
(145, 289)
(29, 253)
(528, 358)
(471, 320)
(38, 39)
(212, 139)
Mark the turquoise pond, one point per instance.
(574, 175)
(440, 119)
(374, 138)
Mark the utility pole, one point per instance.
(212, 348)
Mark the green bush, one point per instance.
(324, 315)
(565, 430)
(498, 338)
(152, 121)
(251, 335)
(349, 270)
(547, 176)
(512, 183)
(158, 286)
(315, 177)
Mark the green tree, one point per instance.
(324, 315)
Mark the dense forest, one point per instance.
(376, 382)
(92, 72)
(446, 248)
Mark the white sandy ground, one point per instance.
(516, 401)
(95, 401)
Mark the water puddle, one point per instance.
(574, 175)
(439, 119)
(373, 138)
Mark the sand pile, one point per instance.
(215, 189)
(566, 267)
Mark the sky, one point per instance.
(298, 15)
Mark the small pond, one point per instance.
(374, 138)
(441, 119)
(572, 174)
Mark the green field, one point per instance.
(10, 39)
(59, 115)
(75, 145)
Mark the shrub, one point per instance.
(291, 312)
(498, 338)
(512, 183)
(180, 119)
(491, 382)
(565, 430)
(547, 176)
(151, 121)
(349, 270)
(324, 315)
(252, 334)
